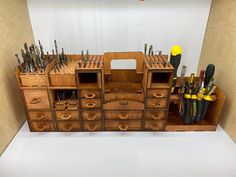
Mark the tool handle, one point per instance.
(199, 111)
(194, 109)
(182, 106)
(187, 112)
(205, 108)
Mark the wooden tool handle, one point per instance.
(42, 127)
(155, 117)
(40, 117)
(156, 105)
(66, 116)
(158, 95)
(35, 100)
(92, 127)
(90, 105)
(68, 127)
(123, 127)
(91, 117)
(90, 95)
(123, 116)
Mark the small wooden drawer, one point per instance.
(155, 125)
(92, 126)
(155, 115)
(90, 94)
(33, 80)
(123, 125)
(62, 80)
(42, 126)
(153, 103)
(67, 115)
(123, 115)
(123, 104)
(158, 93)
(91, 115)
(40, 116)
(68, 126)
(90, 103)
(36, 99)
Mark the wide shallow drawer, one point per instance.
(155, 125)
(155, 115)
(123, 115)
(36, 99)
(153, 103)
(123, 104)
(89, 94)
(91, 115)
(92, 126)
(68, 126)
(123, 125)
(90, 103)
(67, 115)
(37, 116)
(158, 93)
(42, 126)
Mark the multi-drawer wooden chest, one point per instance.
(91, 96)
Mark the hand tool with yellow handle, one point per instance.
(182, 90)
(175, 58)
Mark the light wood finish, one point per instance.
(155, 115)
(158, 93)
(122, 96)
(123, 115)
(91, 115)
(123, 104)
(33, 80)
(123, 125)
(153, 103)
(160, 62)
(68, 126)
(90, 103)
(42, 126)
(154, 125)
(67, 115)
(92, 126)
(90, 94)
(40, 116)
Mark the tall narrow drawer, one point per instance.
(42, 126)
(155, 115)
(67, 115)
(68, 126)
(153, 103)
(36, 99)
(123, 125)
(155, 125)
(37, 116)
(158, 93)
(90, 94)
(91, 115)
(90, 103)
(92, 126)
(123, 115)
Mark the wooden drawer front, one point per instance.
(92, 126)
(155, 125)
(158, 93)
(122, 96)
(124, 104)
(89, 94)
(155, 115)
(36, 99)
(42, 126)
(91, 115)
(68, 126)
(33, 80)
(123, 125)
(34, 116)
(123, 115)
(153, 103)
(67, 115)
(90, 103)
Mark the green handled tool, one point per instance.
(210, 70)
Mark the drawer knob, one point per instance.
(156, 105)
(155, 127)
(66, 116)
(35, 100)
(155, 117)
(158, 95)
(90, 95)
(123, 127)
(68, 127)
(40, 117)
(42, 127)
(92, 127)
(91, 117)
(90, 105)
(123, 116)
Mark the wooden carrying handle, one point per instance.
(123, 127)
(109, 56)
(66, 116)
(40, 117)
(156, 105)
(35, 100)
(42, 127)
(91, 117)
(90, 105)
(68, 127)
(155, 127)
(158, 95)
(90, 95)
(92, 127)
(155, 117)
(123, 116)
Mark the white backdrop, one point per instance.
(122, 25)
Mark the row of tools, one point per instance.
(195, 94)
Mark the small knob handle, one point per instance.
(92, 127)
(40, 117)
(35, 100)
(90, 95)
(68, 127)
(42, 127)
(155, 127)
(155, 117)
(90, 105)
(123, 116)
(66, 116)
(158, 95)
(123, 127)
(156, 105)
(91, 117)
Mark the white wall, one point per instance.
(122, 25)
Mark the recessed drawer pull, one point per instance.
(123, 116)
(91, 117)
(92, 127)
(42, 127)
(90, 95)
(40, 117)
(158, 95)
(155, 127)
(66, 116)
(155, 117)
(90, 105)
(68, 127)
(35, 100)
(156, 105)
(123, 127)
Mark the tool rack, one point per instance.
(99, 98)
